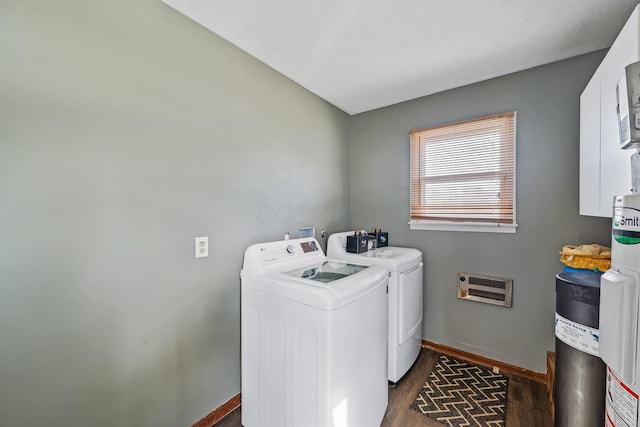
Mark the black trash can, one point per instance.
(580, 373)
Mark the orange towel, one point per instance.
(588, 257)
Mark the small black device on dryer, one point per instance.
(358, 243)
(361, 241)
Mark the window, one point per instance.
(463, 176)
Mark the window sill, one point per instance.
(480, 227)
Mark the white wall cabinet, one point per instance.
(605, 168)
(590, 147)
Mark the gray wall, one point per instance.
(126, 130)
(547, 101)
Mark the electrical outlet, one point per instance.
(202, 247)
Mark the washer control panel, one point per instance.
(288, 250)
(281, 255)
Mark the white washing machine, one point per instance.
(313, 338)
(405, 297)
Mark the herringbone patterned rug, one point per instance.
(459, 394)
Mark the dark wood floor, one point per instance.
(527, 403)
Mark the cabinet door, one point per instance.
(590, 148)
(615, 172)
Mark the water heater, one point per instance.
(619, 313)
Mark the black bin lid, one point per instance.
(579, 286)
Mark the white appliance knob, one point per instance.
(291, 249)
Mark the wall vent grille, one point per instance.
(483, 288)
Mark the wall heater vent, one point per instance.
(482, 288)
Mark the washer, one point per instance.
(405, 297)
(313, 338)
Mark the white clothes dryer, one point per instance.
(405, 297)
(313, 338)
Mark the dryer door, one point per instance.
(410, 303)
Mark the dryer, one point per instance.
(313, 338)
(405, 297)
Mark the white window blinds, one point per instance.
(465, 172)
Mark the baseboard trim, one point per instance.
(485, 361)
(219, 413)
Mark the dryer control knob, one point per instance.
(291, 249)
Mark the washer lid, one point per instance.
(328, 291)
(327, 271)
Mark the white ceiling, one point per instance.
(363, 54)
